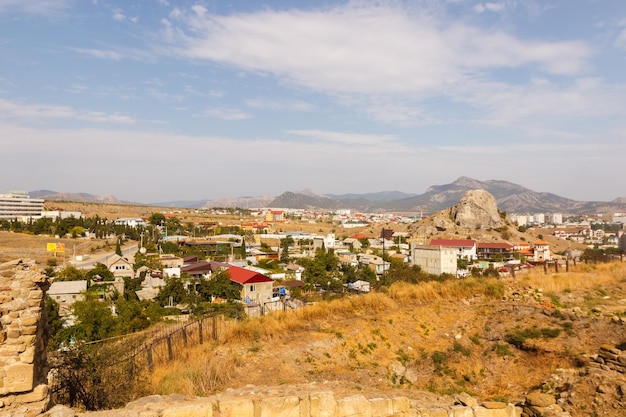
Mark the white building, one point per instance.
(19, 205)
(539, 218)
(519, 219)
(59, 214)
(130, 222)
(556, 218)
(434, 260)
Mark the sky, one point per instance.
(163, 100)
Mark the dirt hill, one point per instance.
(541, 333)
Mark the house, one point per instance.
(130, 222)
(374, 262)
(171, 261)
(66, 293)
(488, 250)
(359, 286)
(120, 267)
(275, 216)
(347, 258)
(465, 248)
(256, 288)
(434, 260)
(541, 251)
(203, 269)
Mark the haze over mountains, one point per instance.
(512, 198)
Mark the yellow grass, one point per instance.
(581, 278)
(209, 368)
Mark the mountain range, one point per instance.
(510, 197)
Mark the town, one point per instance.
(267, 255)
(162, 280)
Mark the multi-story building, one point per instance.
(435, 260)
(18, 205)
(464, 248)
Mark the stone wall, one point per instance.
(23, 324)
(314, 404)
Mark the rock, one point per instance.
(477, 209)
(493, 405)
(466, 400)
(59, 411)
(539, 399)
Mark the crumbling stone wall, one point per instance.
(23, 327)
(314, 404)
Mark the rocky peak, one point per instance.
(477, 209)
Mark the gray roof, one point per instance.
(67, 287)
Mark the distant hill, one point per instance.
(242, 202)
(181, 204)
(380, 196)
(510, 197)
(78, 197)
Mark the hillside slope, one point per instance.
(459, 336)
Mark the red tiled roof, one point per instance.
(456, 243)
(494, 245)
(360, 236)
(246, 276)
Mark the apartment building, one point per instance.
(17, 205)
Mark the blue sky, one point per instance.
(160, 100)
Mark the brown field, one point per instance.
(438, 338)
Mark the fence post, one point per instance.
(149, 355)
(170, 354)
(184, 335)
(214, 327)
(545, 268)
(200, 330)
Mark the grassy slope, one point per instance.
(444, 338)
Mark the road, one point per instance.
(128, 252)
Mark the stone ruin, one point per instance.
(23, 323)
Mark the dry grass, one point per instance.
(432, 291)
(581, 278)
(354, 340)
(200, 373)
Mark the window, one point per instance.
(252, 288)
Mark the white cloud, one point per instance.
(353, 139)
(398, 112)
(542, 100)
(36, 112)
(164, 97)
(620, 40)
(99, 53)
(118, 15)
(227, 114)
(492, 7)
(362, 49)
(348, 162)
(276, 104)
(46, 8)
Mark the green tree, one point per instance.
(55, 322)
(174, 291)
(77, 231)
(94, 319)
(219, 286)
(366, 273)
(284, 248)
(70, 273)
(157, 219)
(100, 270)
(118, 246)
